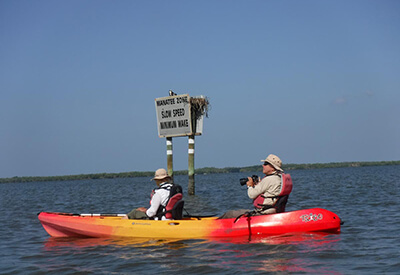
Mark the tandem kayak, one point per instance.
(116, 225)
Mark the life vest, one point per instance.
(282, 197)
(165, 186)
(175, 196)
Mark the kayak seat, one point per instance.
(177, 210)
(280, 204)
(174, 207)
(286, 188)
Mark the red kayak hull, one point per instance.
(75, 225)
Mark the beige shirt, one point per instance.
(269, 186)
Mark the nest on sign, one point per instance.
(199, 106)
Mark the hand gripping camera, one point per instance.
(243, 181)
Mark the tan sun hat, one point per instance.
(275, 162)
(160, 174)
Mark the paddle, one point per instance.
(101, 215)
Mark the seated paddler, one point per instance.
(264, 192)
(159, 198)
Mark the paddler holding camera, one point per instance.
(265, 192)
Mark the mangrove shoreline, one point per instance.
(205, 170)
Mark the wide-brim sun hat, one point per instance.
(160, 174)
(275, 161)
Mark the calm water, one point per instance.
(367, 200)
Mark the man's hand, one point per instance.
(250, 182)
(141, 209)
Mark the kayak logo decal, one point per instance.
(311, 217)
(140, 223)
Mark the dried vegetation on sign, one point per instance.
(199, 106)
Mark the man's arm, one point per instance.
(154, 204)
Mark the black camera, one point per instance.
(243, 181)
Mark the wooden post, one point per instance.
(170, 158)
(191, 165)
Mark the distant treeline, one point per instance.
(257, 168)
(206, 170)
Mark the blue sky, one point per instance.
(310, 81)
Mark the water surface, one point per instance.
(366, 199)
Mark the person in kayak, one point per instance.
(265, 192)
(159, 198)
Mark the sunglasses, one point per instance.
(266, 163)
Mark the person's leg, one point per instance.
(137, 215)
(232, 214)
(268, 211)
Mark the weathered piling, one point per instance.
(191, 188)
(170, 167)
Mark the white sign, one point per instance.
(173, 116)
